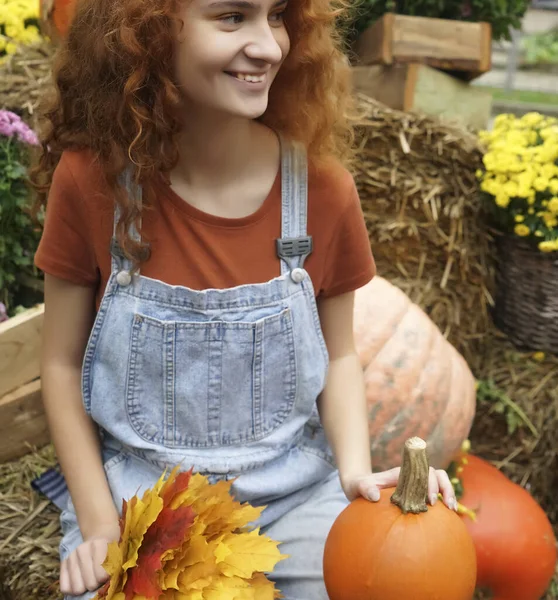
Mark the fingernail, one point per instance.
(433, 499)
(374, 495)
(453, 502)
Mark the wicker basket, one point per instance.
(526, 302)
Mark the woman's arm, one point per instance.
(344, 414)
(342, 404)
(69, 314)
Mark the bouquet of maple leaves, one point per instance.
(187, 539)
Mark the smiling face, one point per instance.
(228, 54)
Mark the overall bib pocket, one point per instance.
(213, 383)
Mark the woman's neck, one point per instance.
(226, 167)
(213, 152)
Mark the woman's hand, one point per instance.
(369, 486)
(83, 571)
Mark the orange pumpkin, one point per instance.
(416, 381)
(55, 17)
(514, 540)
(398, 548)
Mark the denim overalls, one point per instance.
(226, 382)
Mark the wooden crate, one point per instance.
(445, 44)
(23, 422)
(22, 419)
(418, 88)
(20, 345)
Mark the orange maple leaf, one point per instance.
(103, 591)
(167, 533)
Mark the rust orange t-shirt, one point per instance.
(198, 250)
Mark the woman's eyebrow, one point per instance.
(240, 4)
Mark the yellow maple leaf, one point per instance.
(144, 514)
(138, 516)
(195, 549)
(215, 506)
(263, 588)
(248, 553)
(229, 588)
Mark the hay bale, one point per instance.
(29, 531)
(416, 177)
(25, 78)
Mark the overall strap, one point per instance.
(294, 245)
(119, 262)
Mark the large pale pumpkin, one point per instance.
(416, 381)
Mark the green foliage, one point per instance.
(541, 48)
(489, 393)
(19, 235)
(503, 15)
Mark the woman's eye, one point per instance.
(278, 17)
(233, 19)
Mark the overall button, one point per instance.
(297, 275)
(123, 278)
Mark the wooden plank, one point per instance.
(442, 43)
(22, 422)
(385, 84)
(486, 48)
(20, 347)
(439, 94)
(375, 43)
(422, 89)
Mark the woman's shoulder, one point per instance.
(330, 185)
(79, 178)
(82, 166)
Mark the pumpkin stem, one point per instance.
(412, 487)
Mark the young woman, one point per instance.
(202, 244)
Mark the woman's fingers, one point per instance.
(83, 569)
(439, 483)
(77, 585)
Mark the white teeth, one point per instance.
(250, 78)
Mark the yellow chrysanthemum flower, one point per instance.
(552, 205)
(522, 230)
(502, 199)
(550, 220)
(547, 246)
(16, 24)
(521, 163)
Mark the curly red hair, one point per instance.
(116, 95)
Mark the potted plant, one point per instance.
(21, 311)
(519, 189)
(19, 24)
(454, 35)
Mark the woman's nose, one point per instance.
(264, 45)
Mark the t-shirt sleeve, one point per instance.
(350, 263)
(66, 250)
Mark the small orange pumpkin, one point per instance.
(55, 17)
(416, 381)
(514, 540)
(398, 548)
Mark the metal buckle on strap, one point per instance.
(290, 247)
